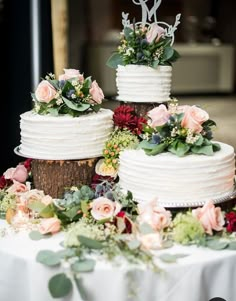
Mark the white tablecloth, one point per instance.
(202, 275)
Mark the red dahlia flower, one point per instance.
(231, 221)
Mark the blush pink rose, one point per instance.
(159, 116)
(194, 118)
(45, 92)
(19, 173)
(154, 33)
(210, 217)
(96, 92)
(151, 241)
(103, 208)
(71, 73)
(155, 216)
(50, 225)
(17, 188)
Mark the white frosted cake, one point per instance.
(138, 83)
(178, 180)
(64, 137)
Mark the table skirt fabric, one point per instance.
(200, 276)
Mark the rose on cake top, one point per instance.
(70, 94)
(179, 130)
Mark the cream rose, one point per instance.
(151, 241)
(194, 118)
(50, 225)
(103, 208)
(17, 188)
(154, 33)
(71, 73)
(155, 216)
(159, 116)
(45, 92)
(210, 217)
(105, 170)
(96, 92)
(47, 200)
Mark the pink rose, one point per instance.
(71, 73)
(45, 92)
(96, 92)
(47, 200)
(17, 187)
(103, 208)
(194, 118)
(210, 217)
(50, 225)
(151, 241)
(157, 217)
(159, 116)
(154, 33)
(19, 173)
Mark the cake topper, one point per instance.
(149, 16)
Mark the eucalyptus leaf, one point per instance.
(155, 63)
(90, 243)
(60, 286)
(77, 107)
(36, 235)
(146, 145)
(159, 148)
(82, 291)
(82, 266)
(115, 60)
(217, 244)
(205, 150)
(232, 245)
(36, 206)
(200, 141)
(48, 258)
(168, 53)
(66, 253)
(53, 111)
(133, 244)
(168, 258)
(71, 213)
(145, 229)
(179, 148)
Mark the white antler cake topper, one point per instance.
(150, 14)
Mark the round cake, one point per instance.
(64, 137)
(171, 179)
(138, 83)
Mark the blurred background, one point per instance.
(41, 36)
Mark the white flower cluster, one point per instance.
(191, 139)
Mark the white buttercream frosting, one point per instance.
(178, 179)
(138, 83)
(64, 137)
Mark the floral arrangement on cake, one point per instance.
(179, 130)
(144, 45)
(70, 94)
(102, 221)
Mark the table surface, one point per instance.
(200, 276)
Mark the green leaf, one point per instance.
(60, 286)
(48, 258)
(87, 83)
(36, 206)
(167, 244)
(217, 244)
(47, 212)
(53, 111)
(82, 266)
(133, 244)
(205, 150)
(96, 108)
(84, 207)
(178, 148)
(71, 213)
(77, 107)
(81, 289)
(200, 141)
(209, 123)
(115, 60)
(216, 147)
(54, 83)
(90, 243)
(171, 258)
(86, 193)
(232, 245)
(145, 229)
(146, 145)
(159, 148)
(36, 235)
(127, 32)
(168, 53)
(155, 64)
(175, 56)
(146, 53)
(66, 253)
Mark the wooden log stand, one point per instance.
(141, 108)
(53, 176)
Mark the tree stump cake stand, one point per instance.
(141, 108)
(54, 176)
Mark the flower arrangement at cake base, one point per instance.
(104, 224)
(65, 132)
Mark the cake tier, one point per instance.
(64, 137)
(169, 178)
(137, 83)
